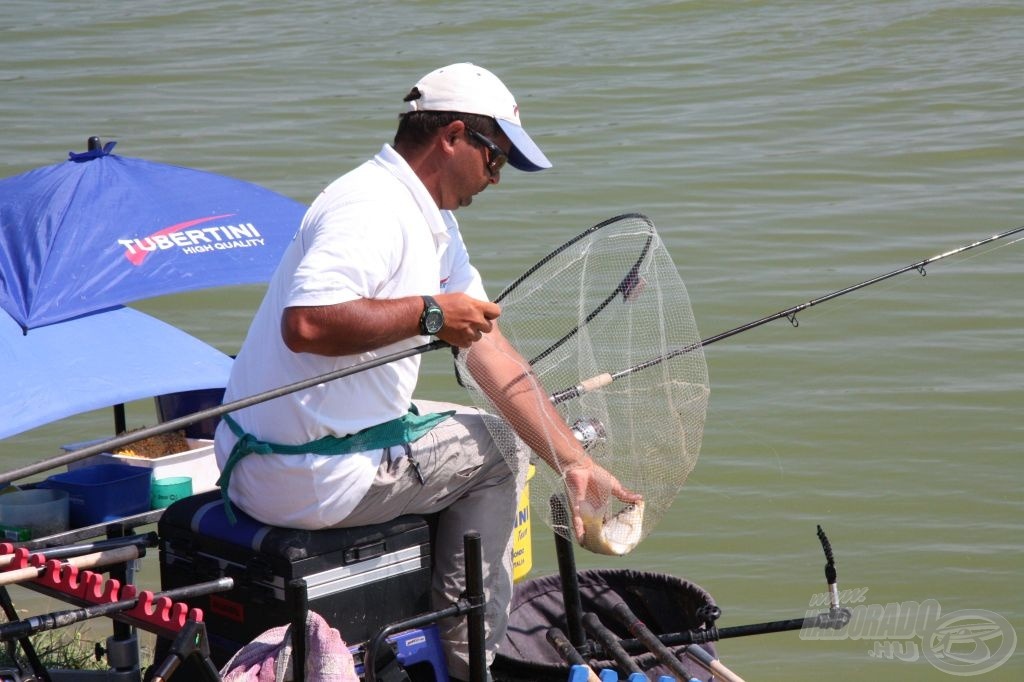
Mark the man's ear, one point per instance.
(451, 132)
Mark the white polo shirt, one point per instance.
(375, 232)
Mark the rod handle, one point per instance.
(105, 558)
(557, 639)
(712, 664)
(595, 382)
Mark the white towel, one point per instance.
(268, 658)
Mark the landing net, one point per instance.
(608, 300)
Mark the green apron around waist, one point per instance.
(408, 428)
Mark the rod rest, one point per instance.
(161, 613)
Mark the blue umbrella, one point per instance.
(100, 230)
(95, 361)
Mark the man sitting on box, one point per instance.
(377, 266)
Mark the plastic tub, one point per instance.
(103, 492)
(32, 514)
(199, 463)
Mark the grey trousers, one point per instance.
(457, 472)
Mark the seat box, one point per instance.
(358, 579)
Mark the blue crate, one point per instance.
(103, 492)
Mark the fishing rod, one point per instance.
(64, 551)
(59, 619)
(604, 379)
(84, 561)
(609, 643)
(558, 397)
(216, 411)
(836, 618)
(826, 620)
(557, 639)
(666, 656)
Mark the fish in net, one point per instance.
(604, 326)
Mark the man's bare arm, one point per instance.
(507, 380)
(367, 324)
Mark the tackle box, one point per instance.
(358, 579)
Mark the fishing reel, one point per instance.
(590, 432)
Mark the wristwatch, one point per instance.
(432, 318)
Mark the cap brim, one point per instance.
(525, 154)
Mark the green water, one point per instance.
(783, 149)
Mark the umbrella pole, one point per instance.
(120, 420)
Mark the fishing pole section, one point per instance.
(603, 379)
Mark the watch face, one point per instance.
(433, 320)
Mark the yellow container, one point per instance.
(522, 543)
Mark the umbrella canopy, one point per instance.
(100, 230)
(96, 361)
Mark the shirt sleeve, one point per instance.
(462, 276)
(349, 252)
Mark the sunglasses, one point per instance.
(496, 158)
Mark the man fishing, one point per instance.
(379, 264)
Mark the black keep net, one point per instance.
(664, 603)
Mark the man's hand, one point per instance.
(589, 483)
(466, 319)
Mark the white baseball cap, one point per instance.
(471, 89)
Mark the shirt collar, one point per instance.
(439, 221)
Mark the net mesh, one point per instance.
(607, 311)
